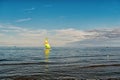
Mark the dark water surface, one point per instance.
(60, 63)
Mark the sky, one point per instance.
(64, 22)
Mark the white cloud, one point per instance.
(24, 20)
(107, 33)
(73, 34)
(102, 37)
(12, 35)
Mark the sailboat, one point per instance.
(47, 45)
(47, 51)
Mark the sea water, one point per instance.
(78, 63)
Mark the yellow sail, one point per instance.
(47, 45)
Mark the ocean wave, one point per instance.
(100, 65)
(28, 63)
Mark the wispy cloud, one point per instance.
(24, 20)
(30, 9)
(62, 17)
(48, 5)
(11, 28)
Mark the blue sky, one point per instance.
(57, 14)
(51, 16)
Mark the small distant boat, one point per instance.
(47, 45)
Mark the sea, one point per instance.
(65, 63)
